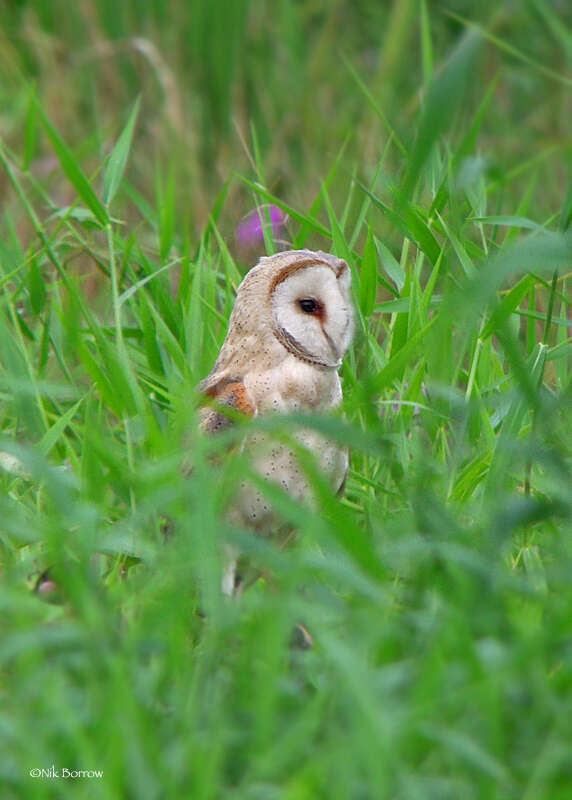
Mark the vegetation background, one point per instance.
(430, 145)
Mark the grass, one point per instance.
(438, 590)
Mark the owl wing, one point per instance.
(229, 393)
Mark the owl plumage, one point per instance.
(289, 330)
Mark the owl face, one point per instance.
(312, 313)
(297, 303)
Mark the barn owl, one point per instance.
(290, 327)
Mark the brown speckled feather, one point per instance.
(230, 394)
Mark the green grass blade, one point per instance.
(401, 360)
(73, 170)
(117, 160)
(368, 276)
(508, 305)
(443, 98)
(409, 222)
(426, 45)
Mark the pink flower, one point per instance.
(396, 406)
(249, 231)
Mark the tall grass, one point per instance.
(437, 590)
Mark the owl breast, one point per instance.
(291, 387)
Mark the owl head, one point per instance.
(297, 302)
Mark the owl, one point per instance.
(291, 325)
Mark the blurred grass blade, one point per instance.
(409, 222)
(504, 461)
(470, 750)
(403, 305)
(30, 131)
(305, 229)
(426, 45)
(504, 45)
(550, 309)
(542, 253)
(167, 213)
(399, 362)
(507, 305)
(53, 434)
(465, 148)
(566, 213)
(117, 161)
(73, 170)
(554, 23)
(375, 105)
(368, 276)
(36, 287)
(535, 568)
(509, 221)
(391, 265)
(444, 97)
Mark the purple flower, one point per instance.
(396, 406)
(249, 231)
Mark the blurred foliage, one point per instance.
(430, 147)
(210, 73)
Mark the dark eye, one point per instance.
(308, 305)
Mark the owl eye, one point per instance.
(308, 305)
